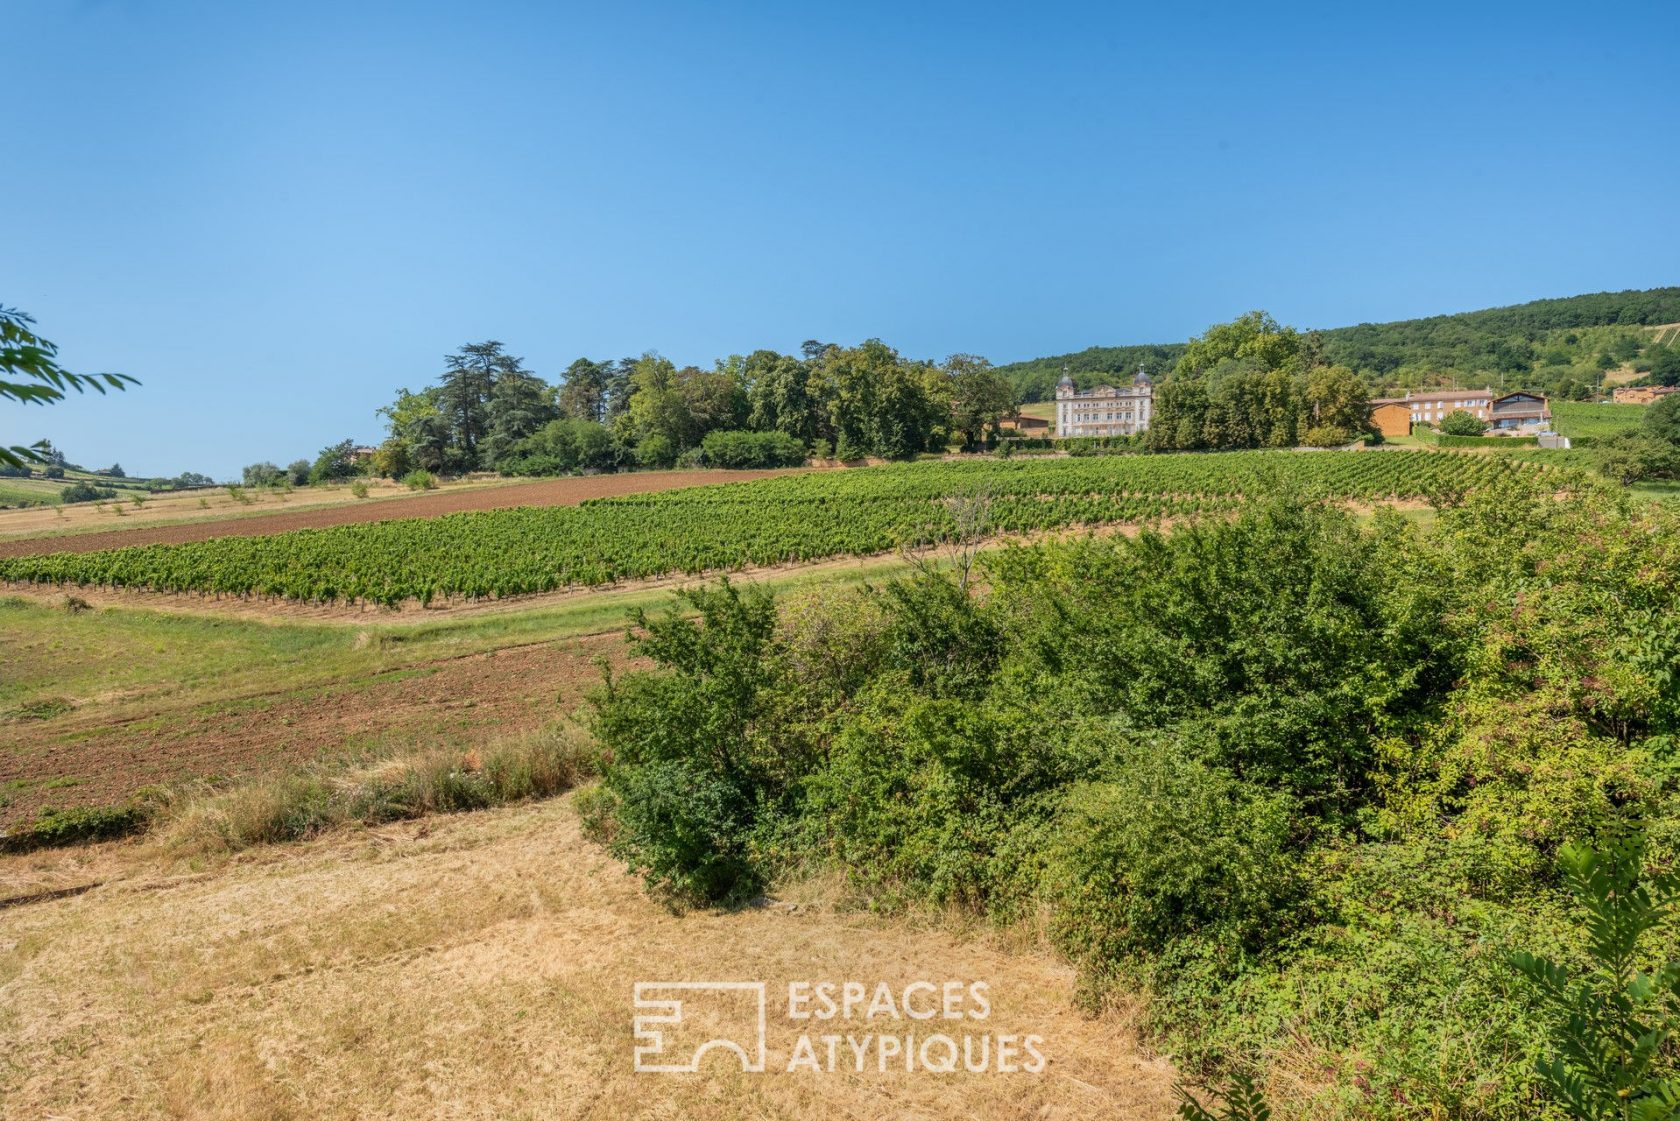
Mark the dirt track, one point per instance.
(544, 492)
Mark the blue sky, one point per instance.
(274, 215)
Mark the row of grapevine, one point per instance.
(791, 518)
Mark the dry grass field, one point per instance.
(475, 966)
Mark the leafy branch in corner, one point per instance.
(1239, 1101)
(1613, 1025)
(25, 355)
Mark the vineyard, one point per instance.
(796, 518)
(1580, 420)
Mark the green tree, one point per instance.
(391, 460)
(1662, 420)
(1335, 397)
(980, 396)
(1631, 457)
(1255, 336)
(464, 391)
(779, 397)
(30, 375)
(418, 421)
(681, 406)
(583, 390)
(519, 405)
(1665, 365)
(334, 462)
(263, 474)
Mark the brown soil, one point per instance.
(545, 492)
(466, 701)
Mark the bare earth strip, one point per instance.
(483, 966)
(545, 492)
(463, 702)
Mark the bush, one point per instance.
(75, 826)
(562, 447)
(262, 474)
(1461, 423)
(358, 489)
(656, 452)
(85, 492)
(1168, 849)
(297, 472)
(739, 450)
(693, 773)
(420, 479)
(1327, 436)
(1610, 1023)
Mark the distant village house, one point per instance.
(1641, 394)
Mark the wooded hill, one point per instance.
(1550, 339)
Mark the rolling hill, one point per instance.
(1548, 343)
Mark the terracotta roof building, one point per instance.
(1432, 405)
(1641, 394)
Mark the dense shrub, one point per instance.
(1169, 848)
(1327, 436)
(56, 827)
(752, 450)
(692, 773)
(562, 447)
(656, 452)
(1462, 423)
(85, 492)
(1301, 778)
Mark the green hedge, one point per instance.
(1077, 445)
(1442, 441)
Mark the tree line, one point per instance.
(1252, 383)
(487, 411)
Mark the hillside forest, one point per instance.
(1560, 347)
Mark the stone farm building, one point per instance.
(1104, 410)
(1394, 416)
(1641, 394)
(1433, 405)
(1391, 418)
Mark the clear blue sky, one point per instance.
(276, 214)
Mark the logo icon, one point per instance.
(663, 1009)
